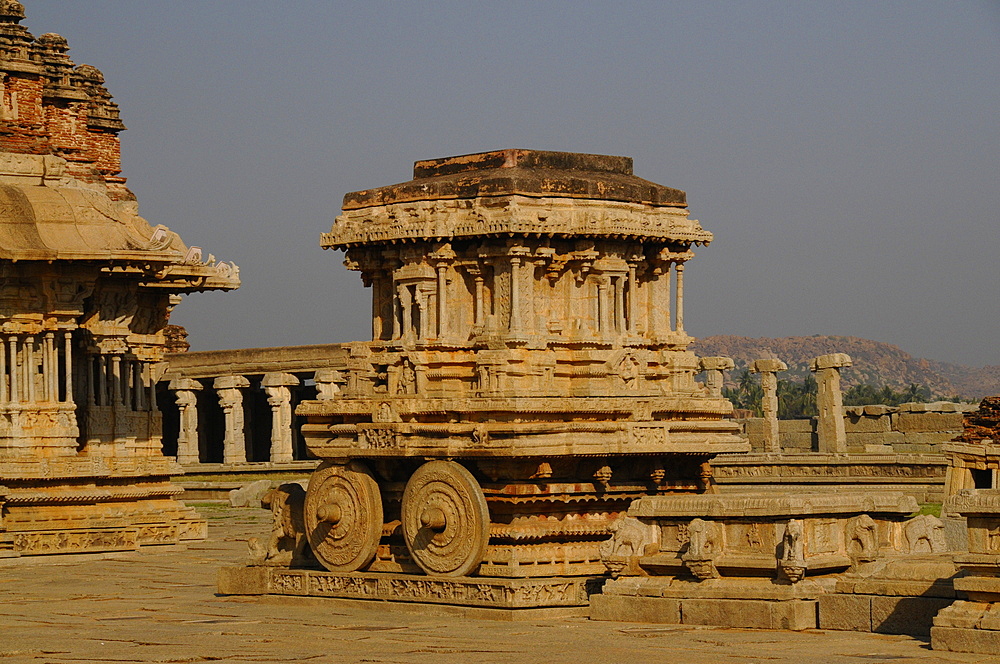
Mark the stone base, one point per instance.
(89, 505)
(968, 626)
(796, 614)
(750, 603)
(457, 591)
(957, 639)
(881, 614)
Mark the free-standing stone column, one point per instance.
(231, 399)
(279, 397)
(187, 403)
(714, 368)
(768, 369)
(830, 402)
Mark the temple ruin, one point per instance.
(87, 287)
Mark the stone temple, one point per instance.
(86, 287)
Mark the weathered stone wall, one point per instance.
(911, 428)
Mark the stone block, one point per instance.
(846, 612)
(867, 424)
(795, 440)
(242, 581)
(957, 639)
(249, 495)
(906, 615)
(924, 422)
(623, 608)
(929, 438)
(749, 614)
(860, 440)
(795, 426)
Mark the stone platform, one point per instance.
(456, 591)
(158, 604)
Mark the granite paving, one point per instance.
(159, 605)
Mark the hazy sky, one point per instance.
(845, 154)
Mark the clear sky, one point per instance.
(845, 154)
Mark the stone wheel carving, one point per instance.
(445, 520)
(343, 515)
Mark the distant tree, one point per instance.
(797, 400)
(748, 394)
(867, 395)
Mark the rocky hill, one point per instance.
(875, 363)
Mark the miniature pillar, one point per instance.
(50, 368)
(680, 298)
(279, 397)
(29, 368)
(231, 399)
(633, 289)
(768, 369)
(187, 403)
(714, 368)
(14, 395)
(442, 301)
(830, 402)
(515, 295)
(4, 394)
(619, 294)
(480, 317)
(68, 364)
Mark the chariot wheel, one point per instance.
(343, 515)
(446, 523)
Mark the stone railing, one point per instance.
(229, 408)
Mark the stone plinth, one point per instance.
(753, 560)
(973, 624)
(461, 591)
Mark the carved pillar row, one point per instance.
(186, 393)
(768, 369)
(231, 399)
(30, 368)
(830, 430)
(279, 398)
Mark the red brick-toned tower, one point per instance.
(50, 106)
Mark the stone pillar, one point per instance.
(231, 399)
(714, 368)
(442, 301)
(679, 313)
(830, 402)
(768, 369)
(515, 296)
(185, 390)
(279, 397)
(68, 366)
(328, 382)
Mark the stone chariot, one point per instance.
(528, 375)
